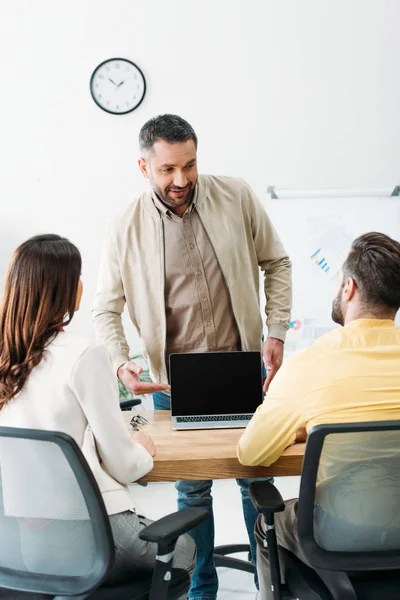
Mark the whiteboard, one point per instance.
(317, 234)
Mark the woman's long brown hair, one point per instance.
(39, 299)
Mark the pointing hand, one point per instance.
(128, 373)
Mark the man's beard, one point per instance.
(337, 311)
(168, 201)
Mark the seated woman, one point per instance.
(55, 380)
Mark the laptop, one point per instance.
(214, 389)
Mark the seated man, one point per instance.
(351, 374)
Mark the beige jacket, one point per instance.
(132, 270)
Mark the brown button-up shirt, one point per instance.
(197, 301)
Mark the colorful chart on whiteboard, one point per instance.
(317, 234)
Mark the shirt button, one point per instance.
(209, 323)
(192, 246)
(205, 299)
(198, 273)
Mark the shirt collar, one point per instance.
(366, 323)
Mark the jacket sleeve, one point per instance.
(94, 384)
(109, 303)
(275, 263)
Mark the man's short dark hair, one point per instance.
(170, 128)
(374, 265)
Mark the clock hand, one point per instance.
(112, 81)
(120, 83)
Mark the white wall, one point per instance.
(293, 93)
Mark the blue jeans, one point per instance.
(198, 493)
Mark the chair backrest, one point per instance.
(54, 530)
(349, 502)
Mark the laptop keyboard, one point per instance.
(207, 419)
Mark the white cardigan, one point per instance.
(74, 390)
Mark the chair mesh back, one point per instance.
(357, 501)
(44, 523)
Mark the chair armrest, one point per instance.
(265, 497)
(128, 404)
(268, 501)
(165, 533)
(169, 528)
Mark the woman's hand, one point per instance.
(145, 440)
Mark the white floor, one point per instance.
(159, 499)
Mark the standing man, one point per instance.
(185, 257)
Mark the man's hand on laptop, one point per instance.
(129, 373)
(273, 356)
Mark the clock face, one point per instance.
(117, 86)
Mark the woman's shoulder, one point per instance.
(72, 348)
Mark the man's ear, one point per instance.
(350, 288)
(144, 168)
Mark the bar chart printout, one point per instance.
(330, 251)
(320, 261)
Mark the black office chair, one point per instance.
(129, 404)
(56, 539)
(348, 516)
(222, 558)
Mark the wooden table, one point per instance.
(205, 454)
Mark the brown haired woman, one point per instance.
(55, 380)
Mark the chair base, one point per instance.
(222, 560)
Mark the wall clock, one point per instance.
(117, 86)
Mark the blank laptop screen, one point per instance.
(215, 383)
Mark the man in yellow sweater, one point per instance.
(351, 374)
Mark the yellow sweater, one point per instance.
(350, 374)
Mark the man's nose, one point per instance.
(180, 179)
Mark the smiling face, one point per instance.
(172, 171)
